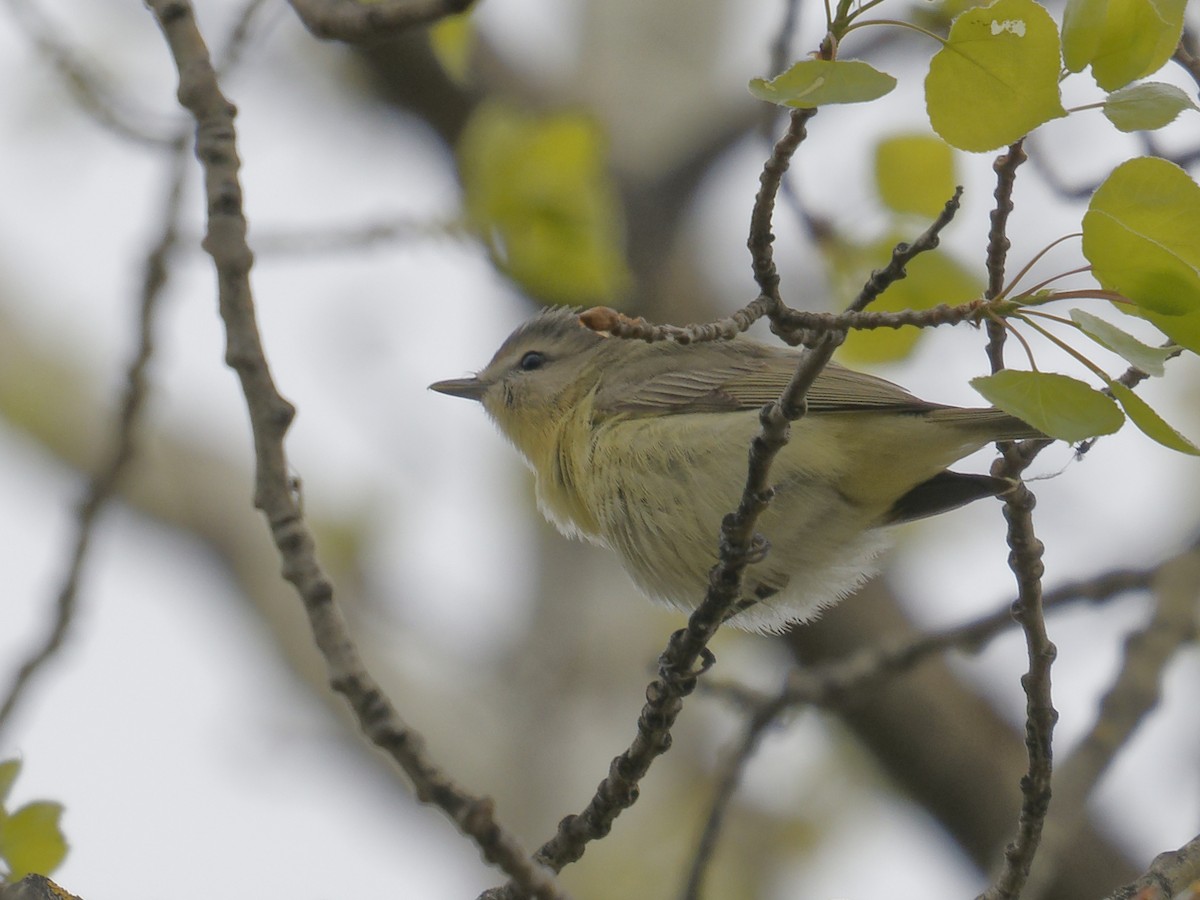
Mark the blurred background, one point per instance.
(186, 725)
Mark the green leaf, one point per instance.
(1140, 234)
(1145, 107)
(933, 278)
(538, 193)
(1058, 405)
(31, 841)
(452, 39)
(9, 770)
(996, 78)
(1123, 40)
(1150, 422)
(1083, 28)
(819, 82)
(915, 173)
(1183, 330)
(1149, 359)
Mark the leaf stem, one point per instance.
(1053, 318)
(1090, 294)
(1029, 292)
(1063, 345)
(1033, 262)
(899, 24)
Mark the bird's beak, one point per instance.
(470, 388)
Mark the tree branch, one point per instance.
(1133, 694)
(1025, 560)
(832, 685)
(998, 243)
(1172, 876)
(103, 484)
(270, 417)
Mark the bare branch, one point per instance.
(84, 82)
(1025, 560)
(687, 655)
(998, 243)
(763, 716)
(797, 326)
(270, 418)
(832, 684)
(610, 321)
(787, 323)
(1172, 876)
(104, 483)
(358, 22)
(761, 237)
(1133, 694)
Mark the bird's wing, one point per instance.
(698, 383)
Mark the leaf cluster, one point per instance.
(996, 77)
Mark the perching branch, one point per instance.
(270, 417)
(687, 655)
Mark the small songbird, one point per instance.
(642, 448)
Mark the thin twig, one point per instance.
(761, 236)
(1172, 876)
(1025, 560)
(104, 483)
(799, 325)
(904, 253)
(83, 80)
(790, 325)
(687, 656)
(998, 243)
(1133, 694)
(609, 321)
(832, 684)
(828, 684)
(270, 417)
(752, 734)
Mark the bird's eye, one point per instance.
(531, 360)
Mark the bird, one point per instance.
(641, 447)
